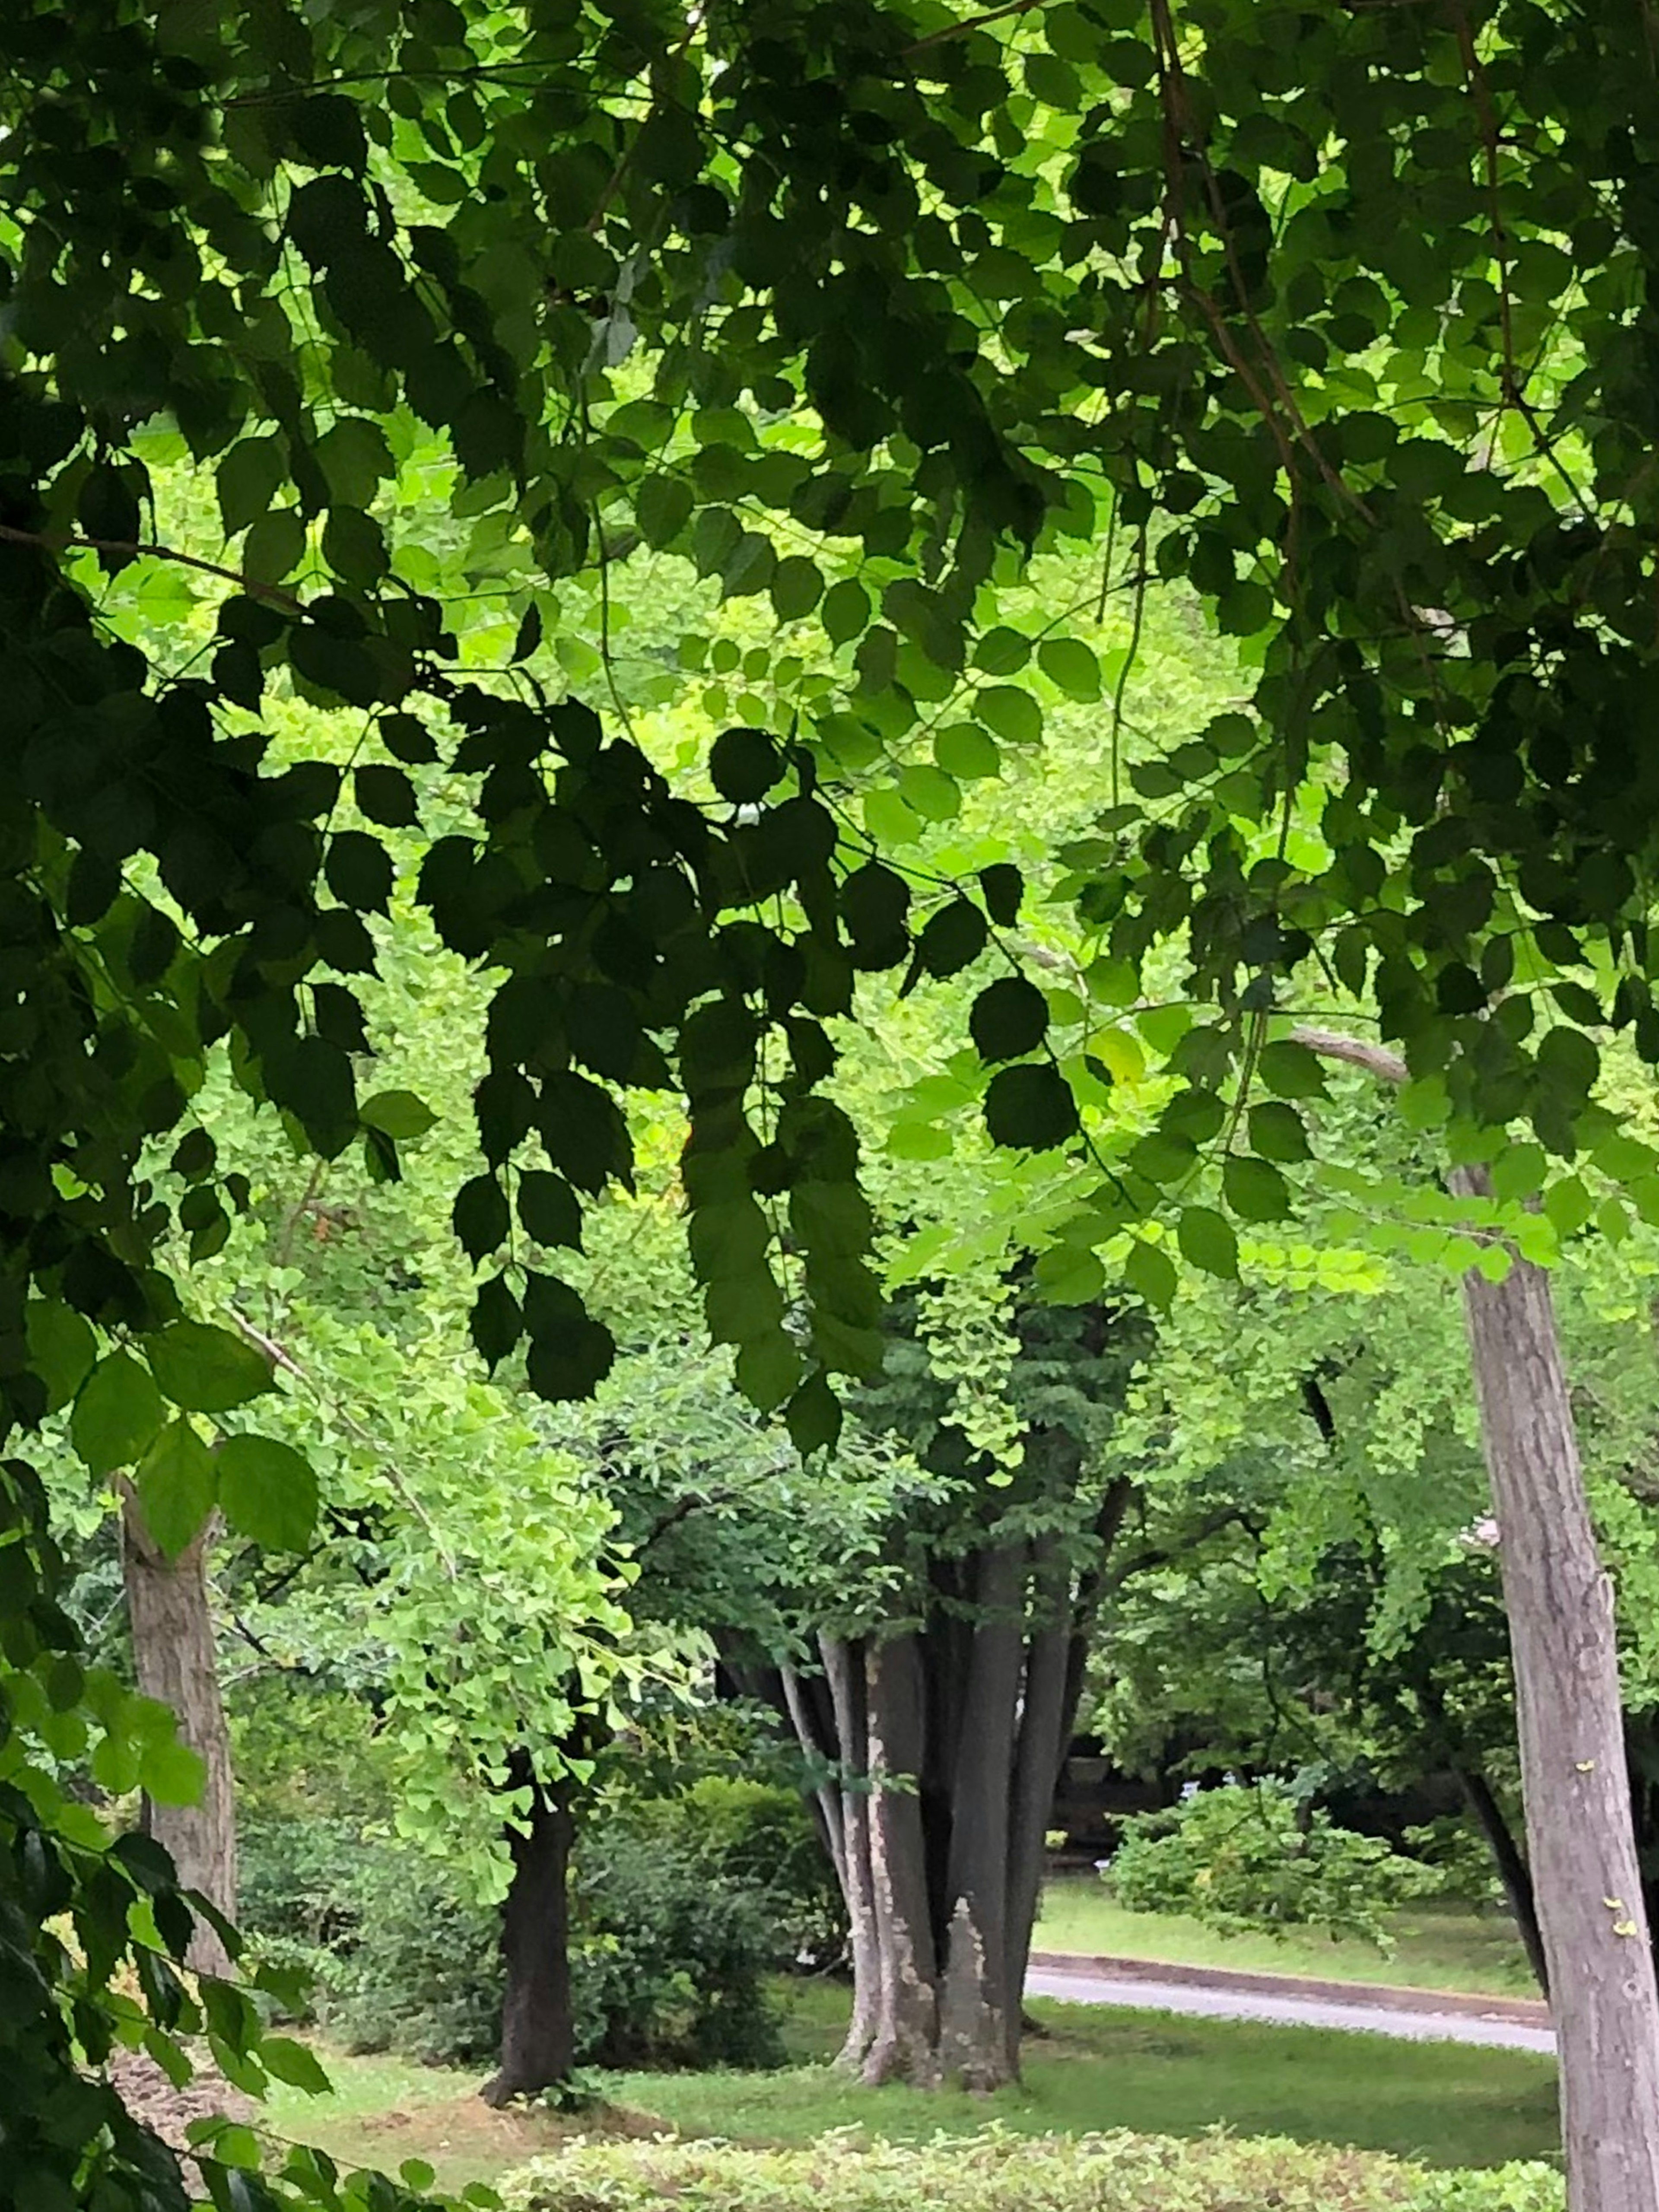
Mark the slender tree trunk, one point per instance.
(1580, 1836)
(905, 2044)
(537, 2023)
(1512, 1872)
(974, 1994)
(844, 1671)
(1040, 1753)
(176, 1659)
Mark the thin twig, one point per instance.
(281, 1356)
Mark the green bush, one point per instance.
(996, 2171)
(401, 1958)
(758, 1838)
(1251, 1857)
(668, 1966)
(670, 1959)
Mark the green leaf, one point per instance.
(170, 1772)
(248, 478)
(1013, 714)
(797, 587)
(402, 1116)
(177, 1483)
(358, 872)
(206, 1369)
(1278, 1132)
(1255, 1189)
(1003, 887)
(813, 1416)
(550, 1210)
(118, 1411)
(1290, 1069)
(275, 547)
(952, 938)
(1002, 651)
(291, 2061)
(267, 1492)
(1070, 664)
(62, 1349)
(847, 611)
(1150, 1274)
(482, 1221)
(1206, 1238)
(1030, 1106)
(744, 765)
(1010, 1016)
(662, 507)
(963, 749)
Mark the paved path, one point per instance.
(1212, 2003)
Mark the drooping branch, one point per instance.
(57, 541)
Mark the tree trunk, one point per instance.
(1580, 1838)
(974, 1997)
(1511, 1865)
(176, 1659)
(537, 2024)
(844, 1671)
(905, 2044)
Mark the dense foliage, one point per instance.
(1256, 1855)
(998, 2171)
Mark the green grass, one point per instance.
(1436, 1947)
(1098, 2068)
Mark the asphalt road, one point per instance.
(1285, 2011)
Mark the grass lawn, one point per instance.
(1098, 2068)
(1436, 1946)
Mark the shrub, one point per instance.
(669, 1960)
(997, 2170)
(401, 1956)
(1256, 1858)
(759, 1837)
(668, 1966)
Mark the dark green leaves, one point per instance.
(206, 1369)
(952, 938)
(1010, 1016)
(744, 765)
(1255, 1189)
(1030, 1107)
(267, 1493)
(550, 1210)
(359, 872)
(400, 1114)
(117, 1413)
(481, 1217)
(177, 1483)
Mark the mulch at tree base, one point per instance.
(152, 2099)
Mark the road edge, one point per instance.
(1373, 1997)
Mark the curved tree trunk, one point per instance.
(176, 1659)
(1512, 1872)
(1581, 1847)
(538, 2022)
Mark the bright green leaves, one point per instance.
(206, 1369)
(400, 1114)
(267, 1492)
(177, 1486)
(117, 1413)
(1009, 1018)
(1071, 666)
(1030, 1106)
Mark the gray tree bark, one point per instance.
(176, 1659)
(1581, 1846)
(1581, 1843)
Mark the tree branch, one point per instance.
(56, 541)
(1376, 1059)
